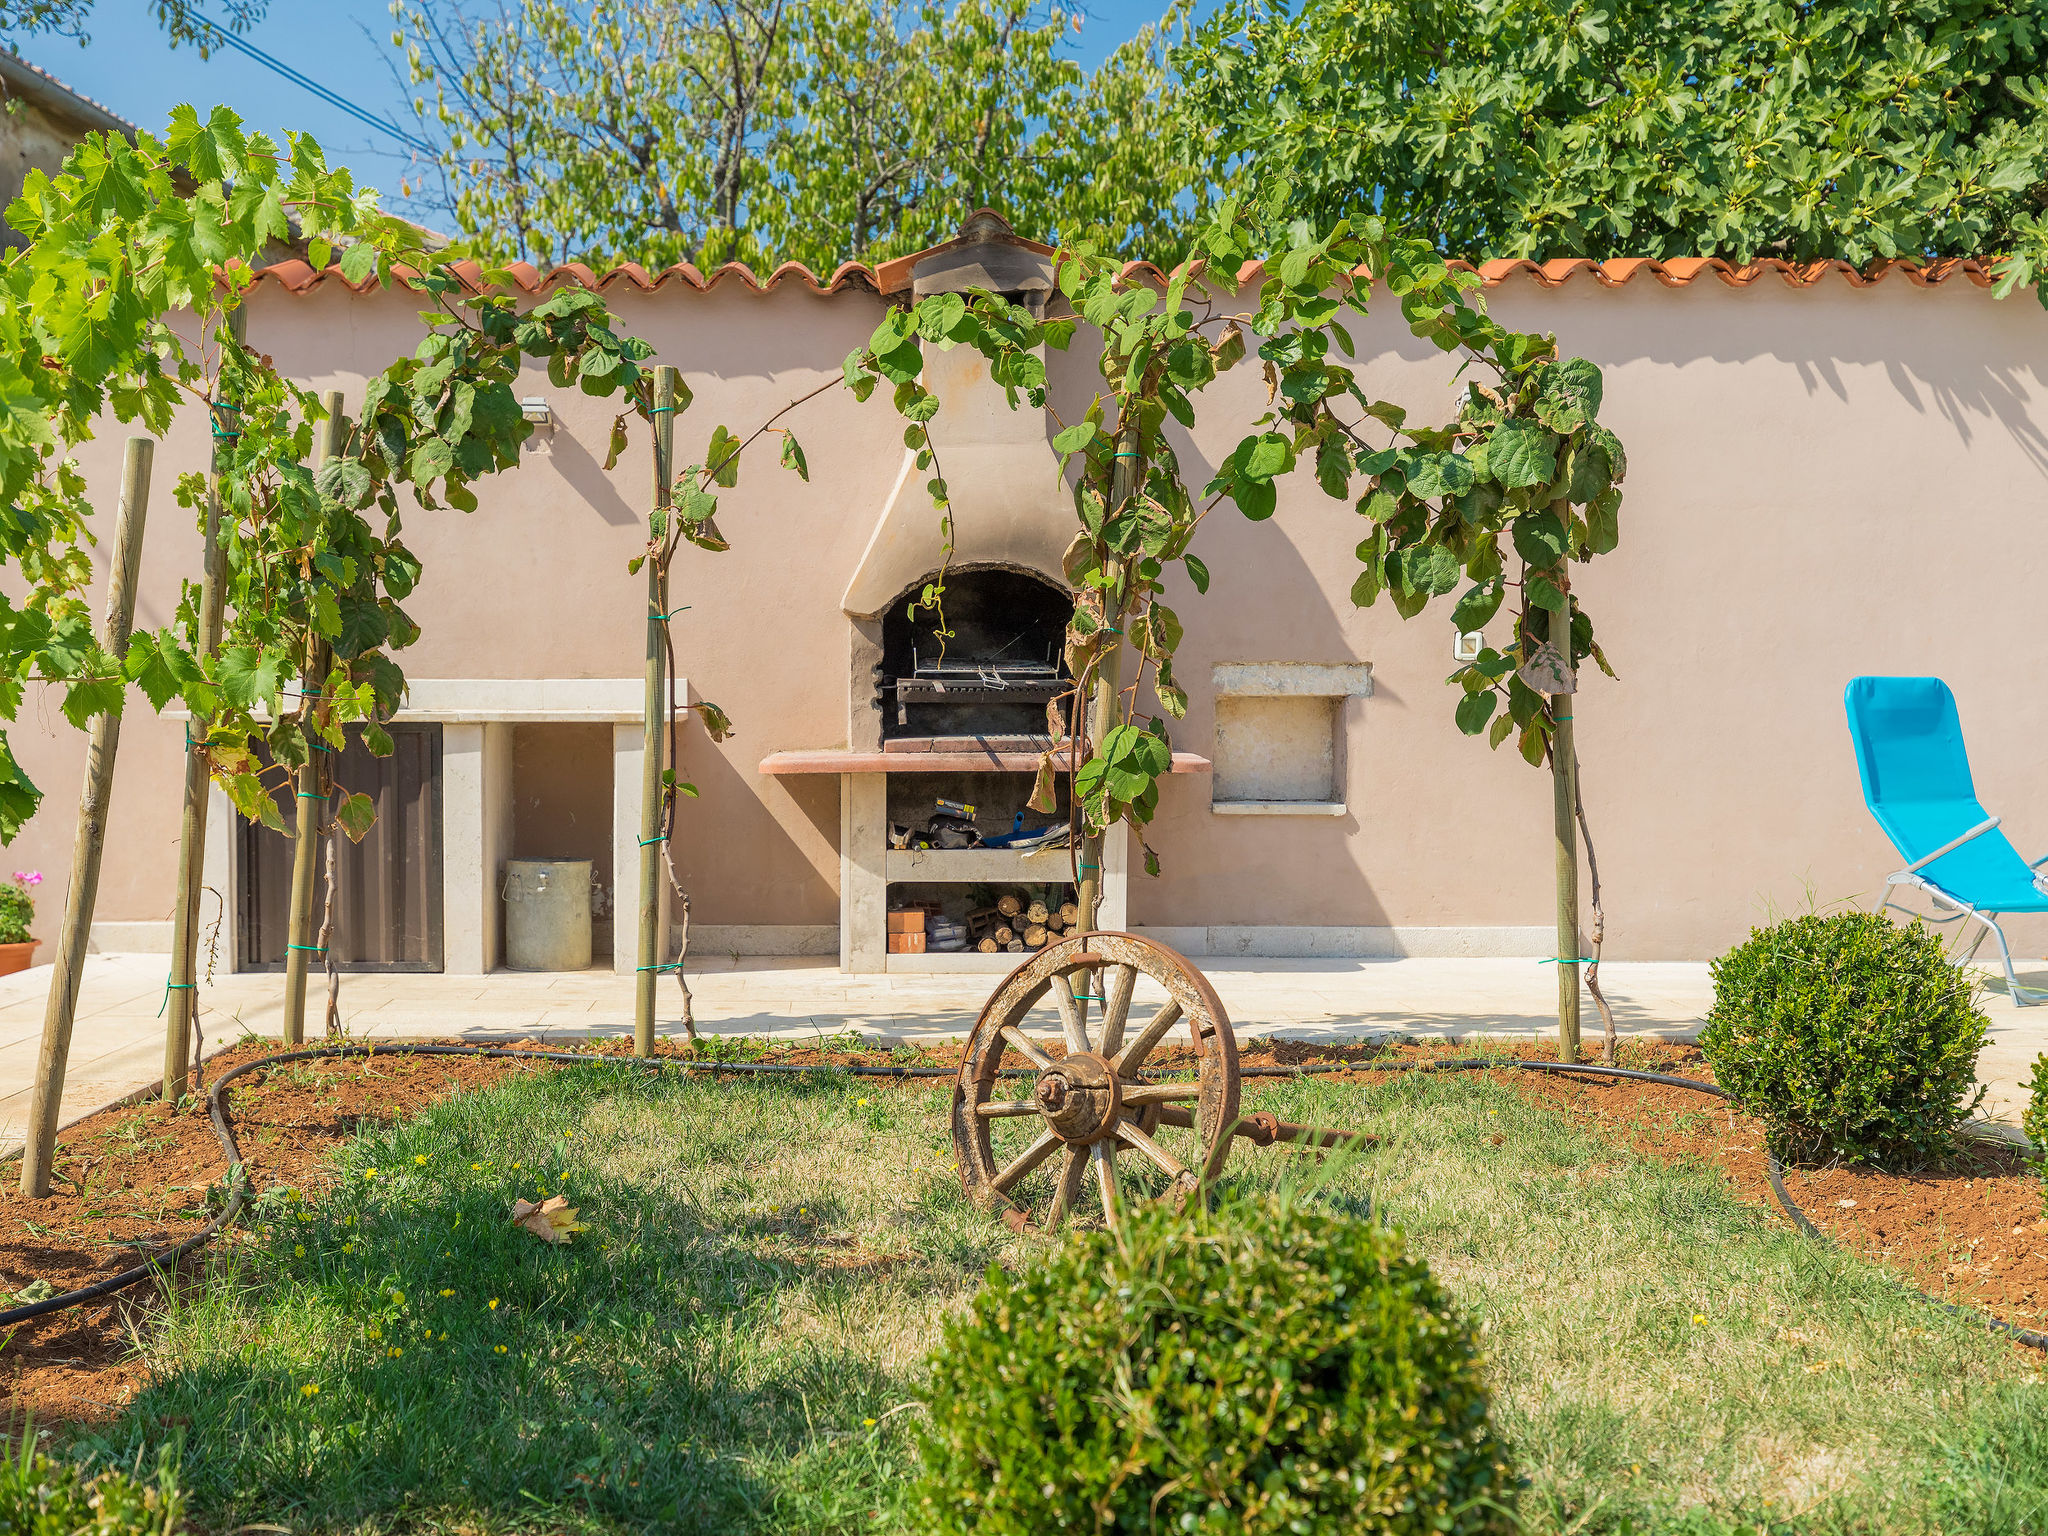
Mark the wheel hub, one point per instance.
(1080, 1097)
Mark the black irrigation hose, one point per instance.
(223, 1128)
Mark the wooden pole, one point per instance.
(1564, 799)
(183, 986)
(653, 734)
(46, 1099)
(1126, 475)
(311, 797)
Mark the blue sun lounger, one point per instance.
(1916, 781)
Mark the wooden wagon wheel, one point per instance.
(1028, 1146)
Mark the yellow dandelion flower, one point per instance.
(420, 1158)
(397, 1298)
(868, 1423)
(348, 1247)
(517, 1166)
(860, 1102)
(375, 1332)
(394, 1351)
(494, 1303)
(500, 1349)
(369, 1173)
(445, 1291)
(476, 1167)
(444, 1338)
(310, 1389)
(1699, 1319)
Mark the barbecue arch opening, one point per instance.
(994, 668)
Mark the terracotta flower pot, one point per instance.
(17, 957)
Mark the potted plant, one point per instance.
(17, 912)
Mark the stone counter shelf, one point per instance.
(839, 760)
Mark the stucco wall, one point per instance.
(1822, 482)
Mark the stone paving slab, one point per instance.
(117, 1041)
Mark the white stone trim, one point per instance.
(1281, 941)
(1279, 807)
(537, 700)
(1294, 679)
(528, 700)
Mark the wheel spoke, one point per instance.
(1158, 1093)
(1071, 1022)
(1069, 1188)
(1183, 1118)
(1024, 1162)
(1132, 1056)
(1024, 1043)
(1117, 985)
(1103, 1155)
(1007, 1109)
(1166, 1162)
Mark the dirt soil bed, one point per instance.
(134, 1179)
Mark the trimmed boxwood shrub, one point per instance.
(1271, 1367)
(43, 1497)
(1848, 1036)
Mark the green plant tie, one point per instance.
(1091, 866)
(675, 966)
(1582, 960)
(659, 410)
(171, 986)
(311, 949)
(662, 838)
(307, 794)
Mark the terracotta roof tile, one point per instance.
(296, 277)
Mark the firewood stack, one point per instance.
(1021, 921)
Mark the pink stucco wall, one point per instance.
(1822, 482)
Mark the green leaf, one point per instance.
(722, 458)
(1198, 573)
(94, 696)
(1539, 538)
(364, 626)
(355, 814)
(1475, 709)
(1603, 523)
(247, 676)
(1477, 607)
(1543, 593)
(793, 457)
(1269, 456)
(1075, 438)
(1520, 454)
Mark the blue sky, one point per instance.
(340, 44)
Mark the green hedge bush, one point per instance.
(1268, 1368)
(2034, 1121)
(1848, 1036)
(42, 1497)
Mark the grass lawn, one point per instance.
(734, 1344)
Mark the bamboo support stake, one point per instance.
(311, 797)
(1564, 760)
(653, 733)
(1126, 474)
(183, 986)
(46, 1099)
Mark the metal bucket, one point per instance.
(547, 914)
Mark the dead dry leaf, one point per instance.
(552, 1221)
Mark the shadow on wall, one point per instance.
(1933, 344)
(754, 850)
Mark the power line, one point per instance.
(360, 114)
